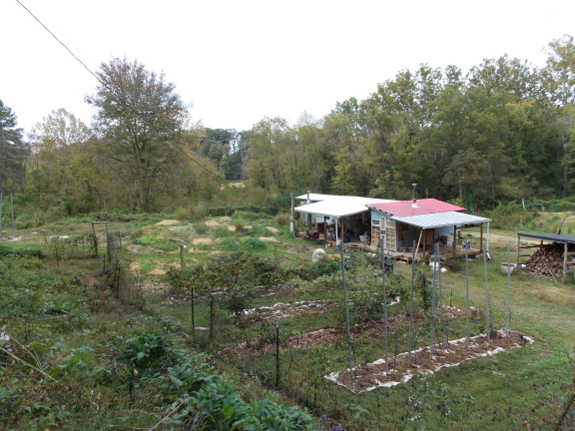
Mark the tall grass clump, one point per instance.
(239, 223)
(282, 219)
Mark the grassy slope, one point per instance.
(493, 393)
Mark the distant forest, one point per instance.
(500, 132)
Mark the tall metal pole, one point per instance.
(466, 296)
(440, 301)
(192, 309)
(487, 316)
(346, 309)
(277, 355)
(433, 301)
(1, 196)
(292, 216)
(508, 308)
(384, 304)
(12, 211)
(411, 306)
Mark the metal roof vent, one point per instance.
(414, 204)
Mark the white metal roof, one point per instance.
(339, 206)
(437, 220)
(314, 197)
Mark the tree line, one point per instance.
(500, 132)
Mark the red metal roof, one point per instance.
(423, 206)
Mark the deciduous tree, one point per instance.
(140, 119)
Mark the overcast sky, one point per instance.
(236, 62)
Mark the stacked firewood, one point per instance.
(547, 261)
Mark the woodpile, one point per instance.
(547, 261)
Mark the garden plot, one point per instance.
(282, 310)
(367, 377)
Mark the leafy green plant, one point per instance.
(145, 351)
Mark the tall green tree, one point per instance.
(63, 164)
(140, 119)
(558, 78)
(13, 152)
(268, 143)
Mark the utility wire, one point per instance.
(111, 90)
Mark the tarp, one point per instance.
(437, 220)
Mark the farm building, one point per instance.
(426, 222)
(337, 218)
(365, 222)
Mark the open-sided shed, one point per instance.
(426, 222)
(565, 240)
(337, 217)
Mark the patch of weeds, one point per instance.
(145, 240)
(166, 246)
(254, 244)
(204, 247)
(282, 219)
(200, 228)
(220, 232)
(228, 244)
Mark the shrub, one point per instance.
(239, 224)
(182, 214)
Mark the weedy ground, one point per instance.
(85, 350)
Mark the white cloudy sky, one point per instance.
(239, 61)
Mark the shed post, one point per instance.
(417, 248)
(423, 254)
(481, 239)
(95, 238)
(564, 263)
(454, 241)
(292, 216)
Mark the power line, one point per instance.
(111, 90)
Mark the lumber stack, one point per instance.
(547, 261)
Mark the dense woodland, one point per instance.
(502, 131)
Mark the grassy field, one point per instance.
(68, 326)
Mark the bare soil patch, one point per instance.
(367, 377)
(167, 222)
(273, 229)
(139, 249)
(197, 241)
(269, 239)
(302, 249)
(211, 223)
